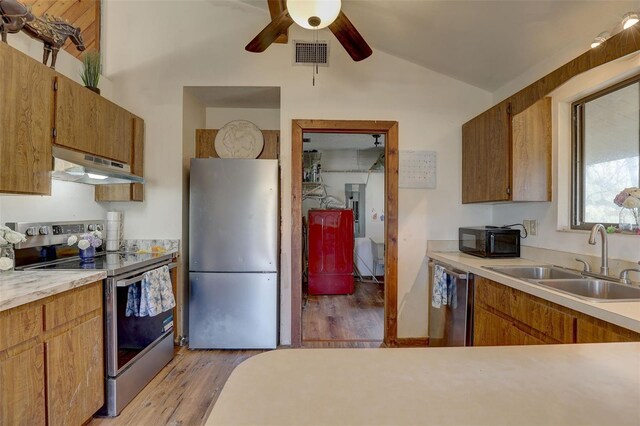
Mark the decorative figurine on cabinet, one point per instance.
(13, 16)
(53, 32)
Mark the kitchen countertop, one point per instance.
(510, 385)
(21, 287)
(624, 314)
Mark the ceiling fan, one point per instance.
(311, 14)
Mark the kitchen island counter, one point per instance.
(515, 385)
(20, 287)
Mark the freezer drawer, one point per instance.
(233, 310)
(233, 216)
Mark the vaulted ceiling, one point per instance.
(484, 43)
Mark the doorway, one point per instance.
(366, 273)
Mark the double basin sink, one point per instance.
(572, 282)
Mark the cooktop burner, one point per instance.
(112, 263)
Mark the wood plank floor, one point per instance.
(355, 317)
(185, 391)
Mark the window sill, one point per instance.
(586, 231)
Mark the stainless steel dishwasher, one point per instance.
(452, 324)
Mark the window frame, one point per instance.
(577, 152)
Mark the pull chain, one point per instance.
(314, 69)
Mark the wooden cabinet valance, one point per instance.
(205, 148)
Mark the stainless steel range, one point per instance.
(136, 348)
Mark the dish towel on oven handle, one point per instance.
(152, 296)
(445, 290)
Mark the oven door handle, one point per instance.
(138, 278)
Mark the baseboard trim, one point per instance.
(413, 342)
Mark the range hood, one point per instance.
(73, 166)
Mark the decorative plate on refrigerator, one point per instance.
(239, 139)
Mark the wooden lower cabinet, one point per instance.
(57, 352)
(493, 330)
(75, 374)
(506, 316)
(596, 331)
(22, 391)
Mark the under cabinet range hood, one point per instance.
(73, 166)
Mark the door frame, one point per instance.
(390, 130)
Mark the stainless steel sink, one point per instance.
(594, 290)
(545, 272)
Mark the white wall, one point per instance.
(554, 218)
(193, 117)
(153, 59)
(68, 201)
(264, 118)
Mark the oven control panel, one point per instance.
(41, 234)
(74, 228)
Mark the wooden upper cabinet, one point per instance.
(486, 156)
(507, 158)
(128, 191)
(26, 123)
(531, 145)
(137, 167)
(87, 122)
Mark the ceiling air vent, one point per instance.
(309, 53)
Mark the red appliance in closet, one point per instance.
(331, 251)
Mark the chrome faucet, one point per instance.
(624, 274)
(585, 266)
(598, 227)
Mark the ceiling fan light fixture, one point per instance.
(629, 20)
(306, 13)
(601, 38)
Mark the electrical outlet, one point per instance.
(531, 225)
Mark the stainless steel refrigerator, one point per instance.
(233, 254)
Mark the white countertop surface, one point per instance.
(21, 287)
(624, 314)
(594, 384)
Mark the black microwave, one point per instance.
(489, 241)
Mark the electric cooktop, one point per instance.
(112, 263)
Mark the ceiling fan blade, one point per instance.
(270, 33)
(350, 38)
(275, 8)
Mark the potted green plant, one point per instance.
(91, 69)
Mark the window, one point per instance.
(606, 152)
